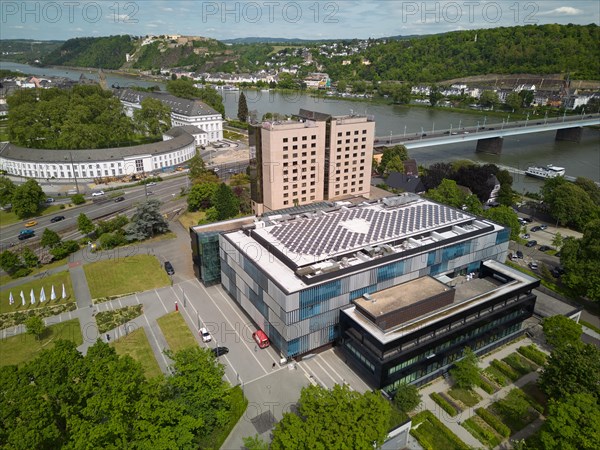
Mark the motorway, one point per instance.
(166, 191)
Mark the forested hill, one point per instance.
(105, 52)
(532, 49)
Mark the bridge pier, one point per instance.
(490, 145)
(569, 134)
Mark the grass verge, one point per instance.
(482, 431)
(25, 347)
(176, 331)
(136, 345)
(9, 217)
(590, 326)
(112, 278)
(467, 397)
(109, 320)
(433, 434)
(36, 285)
(238, 403)
(190, 219)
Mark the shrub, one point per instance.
(504, 368)
(519, 364)
(444, 404)
(62, 206)
(22, 272)
(111, 240)
(532, 353)
(428, 433)
(78, 199)
(496, 376)
(64, 249)
(485, 385)
(493, 422)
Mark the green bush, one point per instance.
(504, 368)
(78, 199)
(62, 207)
(64, 249)
(493, 422)
(532, 353)
(22, 272)
(111, 240)
(237, 124)
(444, 404)
(496, 376)
(481, 432)
(484, 384)
(433, 434)
(521, 365)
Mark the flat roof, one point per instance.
(468, 294)
(326, 234)
(401, 295)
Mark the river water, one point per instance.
(579, 159)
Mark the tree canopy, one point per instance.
(572, 204)
(466, 371)
(154, 117)
(146, 222)
(27, 198)
(185, 88)
(242, 108)
(225, 203)
(560, 330)
(336, 418)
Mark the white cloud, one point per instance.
(566, 10)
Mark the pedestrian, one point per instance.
(107, 337)
(273, 366)
(255, 348)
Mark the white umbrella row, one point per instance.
(11, 299)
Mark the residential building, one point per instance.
(293, 272)
(313, 158)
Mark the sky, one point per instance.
(61, 20)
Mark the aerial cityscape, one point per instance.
(300, 225)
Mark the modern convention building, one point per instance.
(313, 158)
(310, 278)
(183, 112)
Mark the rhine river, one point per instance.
(579, 159)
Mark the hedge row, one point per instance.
(532, 353)
(444, 404)
(484, 384)
(520, 364)
(493, 422)
(481, 433)
(504, 368)
(422, 435)
(496, 376)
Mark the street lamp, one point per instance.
(390, 137)
(484, 120)
(422, 133)
(477, 129)
(404, 130)
(546, 118)
(433, 128)
(527, 119)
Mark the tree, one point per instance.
(154, 118)
(489, 99)
(35, 326)
(200, 196)
(514, 101)
(397, 154)
(407, 397)
(557, 241)
(30, 258)
(285, 80)
(436, 173)
(402, 93)
(242, 108)
(572, 424)
(505, 216)
(225, 202)
(590, 187)
(78, 199)
(435, 95)
(84, 224)
(570, 204)
(581, 261)
(466, 371)
(7, 189)
(255, 443)
(571, 369)
(336, 418)
(515, 404)
(239, 179)
(560, 330)
(473, 205)
(64, 249)
(50, 238)
(526, 97)
(146, 222)
(342, 86)
(10, 262)
(27, 198)
(447, 193)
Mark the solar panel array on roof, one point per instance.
(334, 232)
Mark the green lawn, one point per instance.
(136, 345)
(109, 320)
(176, 332)
(469, 398)
(25, 347)
(482, 431)
(433, 434)
(55, 280)
(8, 218)
(116, 277)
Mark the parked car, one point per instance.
(545, 248)
(531, 244)
(219, 351)
(206, 337)
(534, 229)
(526, 236)
(97, 193)
(261, 339)
(119, 199)
(519, 254)
(49, 200)
(57, 219)
(556, 272)
(169, 268)
(543, 227)
(533, 265)
(26, 234)
(528, 219)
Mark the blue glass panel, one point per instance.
(360, 292)
(320, 293)
(503, 236)
(431, 258)
(390, 271)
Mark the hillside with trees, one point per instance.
(535, 49)
(103, 52)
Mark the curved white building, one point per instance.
(178, 146)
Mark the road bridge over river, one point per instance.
(489, 137)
